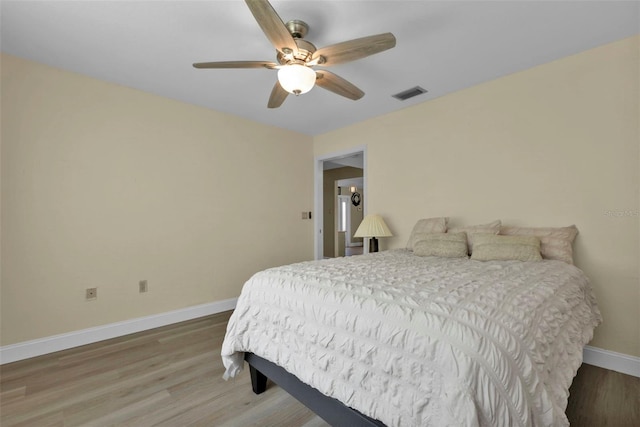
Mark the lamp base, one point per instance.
(373, 244)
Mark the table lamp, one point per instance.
(373, 226)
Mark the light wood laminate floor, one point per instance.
(172, 376)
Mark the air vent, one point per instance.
(409, 93)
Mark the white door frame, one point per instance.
(318, 192)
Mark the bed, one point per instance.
(406, 340)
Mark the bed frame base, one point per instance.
(329, 409)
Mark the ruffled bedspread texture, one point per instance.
(423, 341)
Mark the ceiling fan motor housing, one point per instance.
(298, 30)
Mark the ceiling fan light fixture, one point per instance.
(296, 78)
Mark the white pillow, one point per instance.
(427, 226)
(489, 247)
(490, 228)
(555, 242)
(447, 245)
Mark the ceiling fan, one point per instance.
(296, 57)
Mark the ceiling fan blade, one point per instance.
(355, 49)
(272, 26)
(278, 95)
(336, 84)
(236, 64)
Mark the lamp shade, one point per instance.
(296, 78)
(373, 226)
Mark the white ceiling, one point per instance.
(442, 46)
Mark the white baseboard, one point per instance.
(24, 350)
(612, 360)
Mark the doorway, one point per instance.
(330, 168)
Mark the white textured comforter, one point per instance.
(415, 341)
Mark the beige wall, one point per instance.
(103, 186)
(551, 146)
(329, 200)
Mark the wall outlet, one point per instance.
(142, 286)
(91, 293)
(305, 215)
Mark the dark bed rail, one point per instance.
(329, 409)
